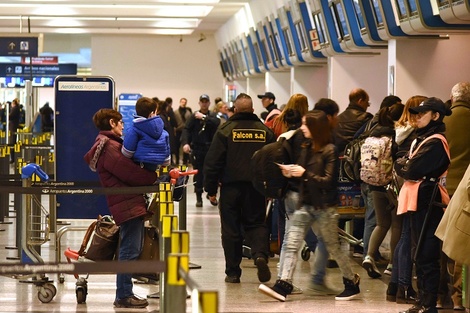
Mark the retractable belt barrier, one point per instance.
(52, 188)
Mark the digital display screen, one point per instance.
(378, 14)
(413, 7)
(402, 9)
(342, 19)
(358, 11)
(320, 28)
(13, 82)
(339, 33)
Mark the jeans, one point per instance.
(402, 265)
(324, 224)
(291, 203)
(132, 236)
(369, 218)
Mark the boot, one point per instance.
(392, 292)
(406, 294)
(351, 288)
(198, 199)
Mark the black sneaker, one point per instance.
(351, 289)
(264, 274)
(232, 279)
(279, 291)
(131, 302)
(198, 204)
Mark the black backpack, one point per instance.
(350, 165)
(267, 177)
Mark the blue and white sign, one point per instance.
(126, 106)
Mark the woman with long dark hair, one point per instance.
(318, 169)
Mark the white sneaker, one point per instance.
(296, 290)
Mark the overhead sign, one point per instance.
(40, 60)
(23, 70)
(20, 45)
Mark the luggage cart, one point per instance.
(35, 232)
(177, 178)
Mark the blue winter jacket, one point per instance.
(146, 141)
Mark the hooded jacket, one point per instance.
(146, 141)
(115, 170)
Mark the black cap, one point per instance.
(204, 97)
(431, 104)
(267, 94)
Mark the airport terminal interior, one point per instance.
(205, 252)
(320, 48)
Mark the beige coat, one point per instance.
(454, 228)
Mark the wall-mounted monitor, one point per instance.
(377, 14)
(16, 82)
(359, 15)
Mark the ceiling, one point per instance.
(164, 17)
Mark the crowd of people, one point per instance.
(427, 147)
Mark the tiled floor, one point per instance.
(206, 251)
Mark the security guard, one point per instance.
(242, 208)
(196, 139)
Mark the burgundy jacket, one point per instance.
(115, 170)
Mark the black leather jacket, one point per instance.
(320, 180)
(349, 122)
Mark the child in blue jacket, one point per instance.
(146, 142)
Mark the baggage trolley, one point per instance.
(35, 232)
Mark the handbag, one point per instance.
(101, 240)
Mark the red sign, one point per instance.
(40, 60)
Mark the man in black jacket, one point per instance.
(352, 119)
(196, 140)
(242, 208)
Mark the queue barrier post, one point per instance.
(176, 285)
(168, 224)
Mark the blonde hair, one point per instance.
(297, 102)
(406, 117)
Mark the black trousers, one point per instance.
(242, 216)
(428, 257)
(197, 159)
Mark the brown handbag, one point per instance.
(101, 240)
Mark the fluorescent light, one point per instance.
(157, 10)
(139, 31)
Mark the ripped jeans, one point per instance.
(324, 224)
